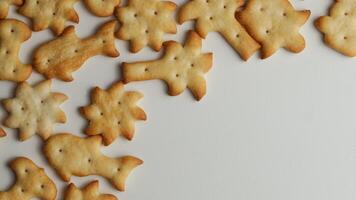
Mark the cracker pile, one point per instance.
(247, 26)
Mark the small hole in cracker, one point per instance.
(42, 101)
(54, 14)
(118, 122)
(207, 1)
(104, 41)
(119, 102)
(177, 75)
(7, 52)
(89, 160)
(101, 114)
(48, 61)
(146, 69)
(76, 51)
(22, 190)
(146, 31)
(156, 13)
(237, 35)
(37, 2)
(345, 37)
(12, 30)
(42, 186)
(284, 14)
(60, 150)
(346, 13)
(192, 65)
(14, 71)
(225, 6)
(22, 108)
(176, 58)
(267, 31)
(26, 171)
(211, 18)
(118, 169)
(135, 15)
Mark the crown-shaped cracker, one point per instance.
(274, 24)
(145, 22)
(219, 16)
(4, 6)
(102, 8)
(89, 192)
(31, 182)
(180, 67)
(34, 110)
(338, 27)
(70, 156)
(113, 112)
(51, 14)
(12, 34)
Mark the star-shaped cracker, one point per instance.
(113, 112)
(274, 24)
(12, 34)
(145, 22)
(180, 67)
(338, 28)
(31, 183)
(102, 8)
(4, 6)
(89, 192)
(34, 110)
(51, 14)
(219, 16)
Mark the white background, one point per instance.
(277, 129)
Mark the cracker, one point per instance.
(144, 23)
(51, 14)
(180, 67)
(31, 182)
(4, 6)
(62, 56)
(274, 24)
(70, 156)
(12, 34)
(89, 192)
(113, 112)
(102, 8)
(34, 110)
(219, 16)
(337, 28)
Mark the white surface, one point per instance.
(276, 129)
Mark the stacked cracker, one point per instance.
(113, 112)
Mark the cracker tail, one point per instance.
(128, 163)
(107, 39)
(139, 71)
(240, 40)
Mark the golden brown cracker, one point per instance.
(62, 56)
(5, 4)
(71, 155)
(113, 112)
(180, 67)
(274, 24)
(89, 192)
(102, 8)
(51, 14)
(219, 16)
(337, 28)
(34, 110)
(144, 23)
(31, 182)
(12, 34)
